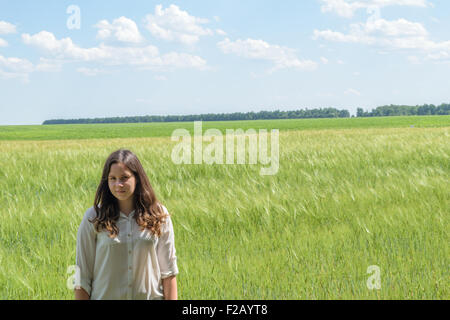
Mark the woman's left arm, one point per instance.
(165, 250)
(170, 288)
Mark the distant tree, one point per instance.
(359, 112)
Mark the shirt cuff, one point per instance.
(169, 273)
(85, 285)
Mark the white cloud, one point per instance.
(220, 32)
(341, 7)
(399, 34)
(324, 60)
(65, 48)
(400, 27)
(441, 56)
(49, 65)
(368, 32)
(147, 57)
(282, 57)
(7, 28)
(16, 65)
(90, 72)
(122, 29)
(347, 8)
(182, 60)
(12, 67)
(335, 36)
(3, 43)
(15, 68)
(5, 75)
(173, 24)
(352, 92)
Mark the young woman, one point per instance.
(125, 242)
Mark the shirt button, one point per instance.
(129, 235)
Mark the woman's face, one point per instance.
(121, 181)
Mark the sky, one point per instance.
(87, 59)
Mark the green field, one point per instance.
(142, 130)
(349, 194)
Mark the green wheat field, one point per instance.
(349, 194)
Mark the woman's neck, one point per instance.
(126, 206)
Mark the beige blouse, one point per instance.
(130, 266)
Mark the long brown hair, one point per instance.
(148, 211)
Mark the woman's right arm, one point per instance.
(85, 256)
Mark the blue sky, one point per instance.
(127, 58)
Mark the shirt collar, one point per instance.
(129, 216)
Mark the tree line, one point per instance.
(394, 110)
(383, 111)
(296, 114)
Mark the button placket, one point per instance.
(130, 270)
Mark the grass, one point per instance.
(139, 130)
(342, 200)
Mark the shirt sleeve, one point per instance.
(165, 250)
(85, 252)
